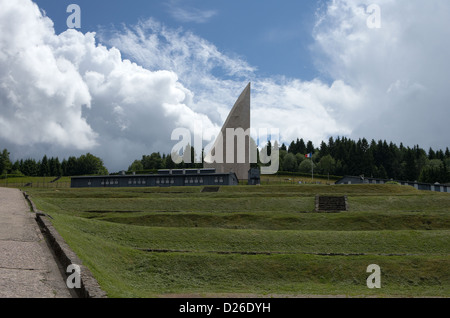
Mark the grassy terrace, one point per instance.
(263, 240)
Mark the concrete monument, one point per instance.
(231, 150)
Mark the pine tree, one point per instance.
(5, 162)
(301, 147)
(431, 154)
(309, 147)
(44, 168)
(411, 173)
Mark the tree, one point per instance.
(55, 167)
(382, 172)
(169, 164)
(305, 166)
(91, 165)
(431, 154)
(292, 148)
(309, 147)
(327, 164)
(44, 169)
(324, 150)
(30, 168)
(300, 157)
(301, 147)
(289, 163)
(136, 166)
(410, 173)
(71, 167)
(154, 161)
(5, 162)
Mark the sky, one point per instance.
(134, 71)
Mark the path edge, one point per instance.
(89, 287)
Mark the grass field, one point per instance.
(260, 241)
(35, 182)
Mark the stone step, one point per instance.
(331, 204)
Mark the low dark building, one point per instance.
(418, 185)
(164, 178)
(254, 176)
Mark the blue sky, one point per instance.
(137, 70)
(273, 36)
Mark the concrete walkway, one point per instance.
(28, 268)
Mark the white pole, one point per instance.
(312, 169)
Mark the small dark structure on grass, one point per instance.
(254, 176)
(331, 204)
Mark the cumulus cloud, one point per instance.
(387, 83)
(307, 109)
(69, 93)
(399, 71)
(42, 94)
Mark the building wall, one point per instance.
(160, 180)
(417, 185)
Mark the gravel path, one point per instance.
(28, 268)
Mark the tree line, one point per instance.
(378, 159)
(87, 164)
(338, 156)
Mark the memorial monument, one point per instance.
(235, 134)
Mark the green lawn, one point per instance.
(262, 240)
(35, 182)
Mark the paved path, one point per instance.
(27, 266)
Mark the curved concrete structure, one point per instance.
(231, 148)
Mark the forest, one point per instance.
(338, 157)
(84, 165)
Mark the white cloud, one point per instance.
(400, 71)
(69, 94)
(41, 94)
(297, 108)
(189, 14)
